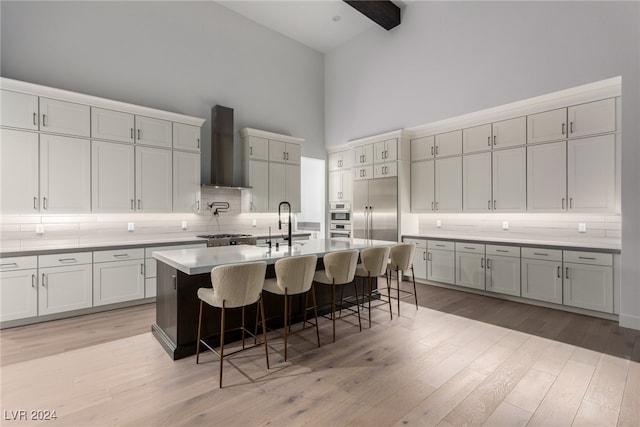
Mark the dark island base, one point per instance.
(177, 308)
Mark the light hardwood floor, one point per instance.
(428, 367)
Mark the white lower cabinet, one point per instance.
(470, 265)
(588, 280)
(18, 288)
(441, 261)
(542, 274)
(118, 276)
(419, 258)
(151, 265)
(503, 269)
(65, 282)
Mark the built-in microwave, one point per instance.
(339, 206)
(340, 226)
(340, 216)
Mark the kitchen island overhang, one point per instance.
(182, 272)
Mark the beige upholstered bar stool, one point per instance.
(234, 286)
(401, 260)
(294, 276)
(374, 264)
(339, 270)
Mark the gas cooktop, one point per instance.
(223, 236)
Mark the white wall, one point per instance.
(178, 56)
(451, 58)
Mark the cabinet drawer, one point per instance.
(57, 260)
(118, 255)
(18, 263)
(594, 258)
(547, 254)
(500, 250)
(420, 243)
(441, 245)
(472, 248)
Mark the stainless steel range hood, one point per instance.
(222, 165)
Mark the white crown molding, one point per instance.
(400, 133)
(244, 132)
(94, 101)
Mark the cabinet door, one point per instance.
(588, 286)
(420, 263)
(112, 125)
(153, 180)
(347, 185)
(547, 177)
(363, 155)
(186, 137)
(547, 126)
(422, 186)
(364, 172)
(422, 148)
(18, 110)
(155, 132)
(112, 177)
(592, 118)
(340, 160)
(65, 174)
(510, 180)
(277, 151)
(441, 266)
(18, 294)
(542, 280)
(476, 139)
(448, 185)
(503, 275)
(277, 185)
(19, 174)
(293, 153)
(384, 170)
(335, 186)
(259, 182)
(448, 144)
(476, 183)
(64, 289)
(591, 178)
(64, 117)
(186, 182)
(509, 133)
(470, 270)
(118, 281)
(257, 148)
(292, 181)
(385, 151)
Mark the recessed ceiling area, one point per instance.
(322, 25)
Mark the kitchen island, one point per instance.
(182, 272)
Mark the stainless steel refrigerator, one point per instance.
(375, 209)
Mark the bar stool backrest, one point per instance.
(237, 284)
(374, 260)
(341, 266)
(296, 273)
(402, 255)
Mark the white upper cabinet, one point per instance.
(386, 151)
(64, 117)
(476, 139)
(476, 183)
(186, 182)
(363, 155)
(285, 152)
(65, 174)
(112, 125)
(592, 118)
(547, 177)
(422, 186)
(153, 180)
(284, 185)
(591, 182)
(509, 180)
(448, 144)
(340, 186)
(155, 132)
(448, 189)
(385, 170)
(19, 172)
(340, 160)
(422, 148)
(112, 177)
(509, 133)
(258, 179)
(18, 110)
(186, 137)
(257, 148)
(547, 126)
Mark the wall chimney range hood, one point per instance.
(222, 166)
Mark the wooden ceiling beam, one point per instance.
(382, 12)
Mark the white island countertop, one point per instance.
(202, 260)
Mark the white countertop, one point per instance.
(199, 261)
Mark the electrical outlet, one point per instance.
(130, 226)
(438, 223)
(254, 222)
(39, 228)
(582, 227)
(505, 225)
(184, 225)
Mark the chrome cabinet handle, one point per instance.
(489, 141)
(12, 264)
(175, 281)
(489, 205)
(133, 204)
(563, 128)
(432, 150)
(570, 127)
(44, 117)
(424, 255)
(67, 260)
(494, 204)
(570, 202)
(198, 143)
(431, 205)
(45, 203)
(139, 204)
(494, 140)
(131, 133)
(481, 262)
(558, 272)
(540, 253)
(502, 250)
(566, 272)
(436, 150)
(429, 256)
(251, 151)
(563, 203)
(44, 285)
(468, 247)
(440, 246)
(587, 257)
(34, 281)
(121, 256)
(436, 205)
(138, 133)
(35, 118)
(142, 268)
(35, 203)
